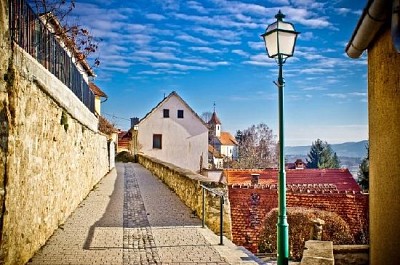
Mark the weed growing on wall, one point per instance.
(64, 120)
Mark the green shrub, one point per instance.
(124, 157)
(300, 219)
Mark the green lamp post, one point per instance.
(280, 39)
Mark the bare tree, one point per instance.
(77, 39)
(257, 147)
(206, 116)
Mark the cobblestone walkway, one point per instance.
(131, 217)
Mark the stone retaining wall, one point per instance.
(351, 254)
(318, 253)
(51, 153)
(186, 184)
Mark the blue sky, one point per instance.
(211, 51)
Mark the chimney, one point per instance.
(299, 164)
(254, 178)
(134, 121)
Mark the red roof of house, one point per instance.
(227, 139)
(96, 90)
(340, 178)
(214, 152)
(124, 135)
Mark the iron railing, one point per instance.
(29, 32)
(221, 213)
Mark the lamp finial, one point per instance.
(279, 16)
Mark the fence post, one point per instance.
(204, 208)
(221, 220)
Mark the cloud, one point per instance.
(148, 73)
(196, 6)
(259, 45)
(342, 10)
(337, 95)
(205, 49)
(315, 71)
(228, 43)
(306, 35)
(315, 88)
(154, 16)
(279, 2)
(260, 60)
(218, 20)
(241, 52)
(171, 43)
(220, 33)
(188, 38)
(358, 94)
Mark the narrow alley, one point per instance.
(131, 217)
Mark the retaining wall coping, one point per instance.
(337, 249)
(182, 171)
(318, 253)
(32, 70)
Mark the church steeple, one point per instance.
(215, 124)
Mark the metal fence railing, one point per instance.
(221, 212)
(29, 32)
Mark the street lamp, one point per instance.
(280, 39)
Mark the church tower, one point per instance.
(215, 125)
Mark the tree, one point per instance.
(76, 38)
(321, 155)
(206, 116)
(363, 172)
(257, 147)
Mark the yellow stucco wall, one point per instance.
(384, 136)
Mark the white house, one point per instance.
(222, 142)
(174, 133)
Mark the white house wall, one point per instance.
(229, 151)
(184, 141)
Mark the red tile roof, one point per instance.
(213, 151)
(341, 179)
(124, 135)
(96, 90)
(214, 119)
(227, 139)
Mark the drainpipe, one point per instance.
(372, 19)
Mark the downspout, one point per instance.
(374, 15)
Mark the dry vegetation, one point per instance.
(299, 219)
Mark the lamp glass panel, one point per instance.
(286, 43)
(285, 26)
(271, 43)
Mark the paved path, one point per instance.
(131, 217)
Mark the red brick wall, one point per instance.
(249, 207)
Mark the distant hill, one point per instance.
(348, 149)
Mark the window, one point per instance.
(157, 138)
(180, 114)
(166, 113)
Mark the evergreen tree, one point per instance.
(321, 155)
(363, 172)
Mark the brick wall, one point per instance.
(250, 205)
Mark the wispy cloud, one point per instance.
(337, 95)
(154, 16)
(260, 59)
(205, 50)
(196, 6)
(188, 38)
(241, 52)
